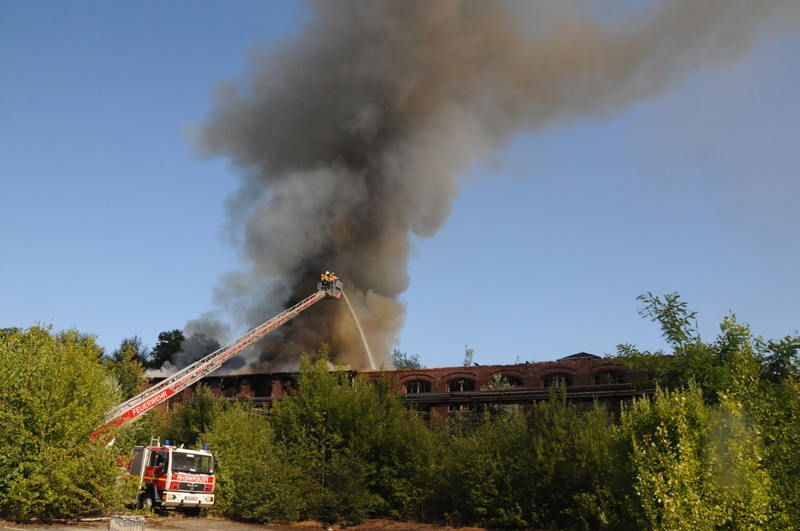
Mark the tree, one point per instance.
(402, 360)
(696, 466)
(469, 354)
(315, 424)
(193, 417)
(55, 393)
(169, 343)
(127, 367)
(779, 359)
(691, 359)
(256, 480)
(132, 345)
(673, 316)
(742, 462)
(362, 452)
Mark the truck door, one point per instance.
(139, 459)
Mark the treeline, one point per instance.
(717, 446)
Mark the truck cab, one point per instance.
(173, 477)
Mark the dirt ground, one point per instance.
(211, 523)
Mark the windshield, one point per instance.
(192, 463)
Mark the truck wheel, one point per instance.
(146, 501)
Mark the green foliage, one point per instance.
(782, 433)
(315, 427)
(500, 383)
(127, 365)
(192, 418)
(256, 481)
(484, 471)
(775, 411)
(673, 316)
(667, 456)
(169, 343)
(142, 431)
(546, 470)
(779, 359)
(716, 447)
(132, 348)
(469, 355)
(697, 466)
(570, 460)
(361, 450)
(402, 360)
(55, 393)
(721, 446)
(401, 448)
(707, 364)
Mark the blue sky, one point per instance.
(112, 226)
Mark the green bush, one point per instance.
(363, 452)
(55, 393)
(548, 469)
(185, 424)
(484, 472)
(256, 481)
(696, 466)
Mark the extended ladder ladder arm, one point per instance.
(151, 397)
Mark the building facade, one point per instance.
(441, 391)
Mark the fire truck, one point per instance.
(173, 477)
(178, 477)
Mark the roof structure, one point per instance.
(581, 356)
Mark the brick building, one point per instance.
(444, 390)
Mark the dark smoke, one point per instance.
(350, 137)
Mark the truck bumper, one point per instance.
(187, 499)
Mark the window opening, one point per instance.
(557, 380)
(609, 377)
(418, 386)
(462, 384)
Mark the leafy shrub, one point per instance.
(186, 424)
(55, 392)
(256, 481)
(697, 466)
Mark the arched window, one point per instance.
(461, 384)
(557, 380)
(513, 381)
(609, 377)
(418, 386)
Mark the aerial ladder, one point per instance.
(329, 287)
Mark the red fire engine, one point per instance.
(173, 477)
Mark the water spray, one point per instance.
(332, 287)
(361, 331)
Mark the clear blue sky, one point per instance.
(112, 226)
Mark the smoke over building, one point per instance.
(350, 136)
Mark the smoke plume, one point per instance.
(350, 136)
